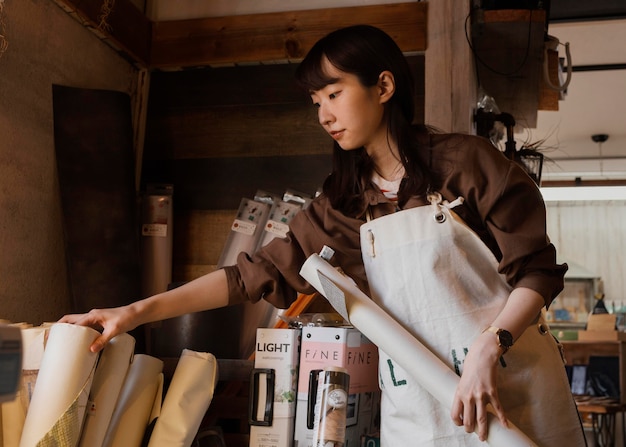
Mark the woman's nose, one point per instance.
(324, 116)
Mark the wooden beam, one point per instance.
(125, 27)
(282, 36)
(567, 183)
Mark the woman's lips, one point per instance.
(336, 134)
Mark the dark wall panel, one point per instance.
(220, 183)
(220, 134)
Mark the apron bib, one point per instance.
(435, 276)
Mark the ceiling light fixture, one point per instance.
(600, 138)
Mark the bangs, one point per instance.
(311, 75)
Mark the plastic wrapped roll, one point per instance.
(107, 384)
(135, 404)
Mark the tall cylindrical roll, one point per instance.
(157, 237)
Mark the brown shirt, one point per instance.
(501, 204)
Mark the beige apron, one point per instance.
(433, 274)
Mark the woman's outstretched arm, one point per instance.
(207, 292)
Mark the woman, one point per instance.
(473, 293)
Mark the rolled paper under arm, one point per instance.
(398, 343)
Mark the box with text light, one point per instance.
(273, 387)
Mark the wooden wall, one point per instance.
(220, 134)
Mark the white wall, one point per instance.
(45, 46)
(593, 235)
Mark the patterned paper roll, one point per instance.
(58, 402)
(398, 343)
(107, 384)
(134, 405)
(187, 400)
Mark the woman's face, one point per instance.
(351, 113)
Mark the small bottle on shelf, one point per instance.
(599, 307)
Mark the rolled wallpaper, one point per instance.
(58, 402)
(107, 384)
(399, 344)
(134, 406)
(186, 401)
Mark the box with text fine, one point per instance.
(348, 348)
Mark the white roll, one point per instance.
(398, 343)
(107, 384)
(58, 403)
(186, 401)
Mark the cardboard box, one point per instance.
(601, 322)
(348, 348)
(273, 387)
(601, 335)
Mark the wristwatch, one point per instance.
(504, 337)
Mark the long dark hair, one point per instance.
(366, 51)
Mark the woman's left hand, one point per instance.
(477, 387)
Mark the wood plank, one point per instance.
(239, 112)
(283, 36)
(450, 81)
(127, 27)
(262, 131)
(225, 86)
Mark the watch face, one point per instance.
(505, 338)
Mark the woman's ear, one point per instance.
(386, 85)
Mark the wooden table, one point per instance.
(600, 411)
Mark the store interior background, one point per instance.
(47, 46)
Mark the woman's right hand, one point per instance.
(112, 321)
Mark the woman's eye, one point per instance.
(316, 105)
(332, 95)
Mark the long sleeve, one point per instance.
(505, 208)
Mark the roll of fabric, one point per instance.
(134, 406)
(434, 375)
(186, 401)
(58, 403)
(107, 384)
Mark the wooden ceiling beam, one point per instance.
(281, 36)
(268, 37)
(120, 23)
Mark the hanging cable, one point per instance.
(105, 12)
